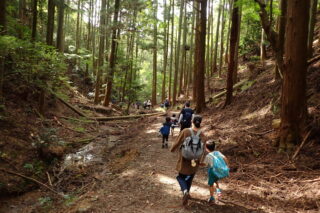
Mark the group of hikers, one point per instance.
(194, 150)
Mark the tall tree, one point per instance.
(215, 54)
(50, 24)
(184, 51)
(171, 50)
(34, 19)
(155, 52)
(2, 32)
(60, 36)
(78, 26)
(222, 37)
(112, 60)
(177, 56)
(196, 51)
(165, 50)
(233, 48)
(312, 23)
(101, 50)
(201, 30)
(293, 106)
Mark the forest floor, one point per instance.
(124, 168)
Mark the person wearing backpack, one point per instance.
(218, 169)
(165, 131)
(190, 144)
(186, 116)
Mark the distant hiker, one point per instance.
(166, 104)
(190, 145)
(174, 122)
(145, 105)
(218, 168)
(186, 116)
(137, 104)
(149, 105)
(165, 131)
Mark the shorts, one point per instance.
(211, 177)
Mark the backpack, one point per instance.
(219, 168)
(192, 147)
(165, 130)
(187, 116)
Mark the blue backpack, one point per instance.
(187, 116)
(165, 130)
(220, 168)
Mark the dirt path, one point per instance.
(141, 178)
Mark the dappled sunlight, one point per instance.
(259, 114)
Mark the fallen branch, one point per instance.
(71, 107)
(125, 117)
(259, 133)
(312, 60)
(33, 180)
(310, 181)
(78, 120)
(301, 145)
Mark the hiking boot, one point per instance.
(162, 146)
(185, 198)
(166, 145)
(211, 199)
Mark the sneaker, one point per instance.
(162, 146)
(211, 199)
(185, 198)
(167, 145)
(218, 193)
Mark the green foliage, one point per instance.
(247, 85)
(45, 201)
(36, 167)
(36, 63)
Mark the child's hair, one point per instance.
(187, 104)
(168, 119)
(210, 145)
(197, 120)
(173, 115)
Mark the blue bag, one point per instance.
(165, 130)
(220, 168)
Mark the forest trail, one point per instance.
(142, 179)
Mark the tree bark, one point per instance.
(34, 19)
(201, 59)
(60, 36)
(50, 24)
(233, 48)
(101, 50)
(78, 27)
(293, 106)
(196, 52)
(155, 52)
(22, 11)
(112, 60)
(3, 24)
(222, 39)
(184, 52)
(262, 48)
(215, 54)
(191, 52)
(171, 51)
(165, 51)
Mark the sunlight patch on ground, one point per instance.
(130, 172)
(257, 114)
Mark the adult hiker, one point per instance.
(186, 116)
(190, 145)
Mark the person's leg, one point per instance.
(163, 139)
(167, 139)
(189, 180)
(182, 180)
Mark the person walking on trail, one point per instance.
(190, 145)
(166, 104)
(174, 122)
(186, 117)
(165, 131)
(218, 169)
(149, 105)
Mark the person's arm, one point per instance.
(180, 118)
(178, 141)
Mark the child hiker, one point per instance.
(217, 169)
(174, 122)
(165, 131)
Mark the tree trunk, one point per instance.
(191, 52)
(101, 50)
(233, 48)
(78, 27)
(155, 51)
(183, 49)
(22, 11)
(236, 57)
(50, 24)
(2, 32)
(262, 48)
(171, 51)
(60, 36)
(177, 57)
(222, 39)
(201, 59)
(312, 23)
(165, 51)
(226, 58)
(293, 107)
(112, 60)
(34, 19)
(196, 52)
(215, 54)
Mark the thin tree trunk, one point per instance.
(60, 37)
(171, 51)
(101, 50)
(191, 52)
(215, 54)
(155, 51)
(196, 52)
(165, 51)
(183, 49)
(112, 60)
(50, 24)
(222, 39)
(22, 11)
(201, 59)
(78, 27)
(233, 48)
(262, 48)
(293, 106)
(177, 60)
(312, 23)
(226, 58)
(3, 24)
(235, 72)
(34, 19)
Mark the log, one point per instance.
(71, 107)
(125, 117)
(225, 91)
(99, 109)
(312, 60)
